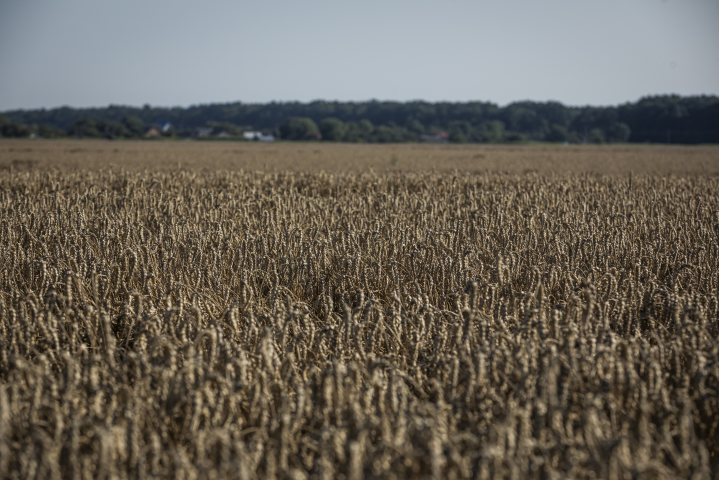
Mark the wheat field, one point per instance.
(337, 158)
(197, 322)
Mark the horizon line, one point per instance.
(371, 100)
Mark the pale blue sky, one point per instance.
(176, 53)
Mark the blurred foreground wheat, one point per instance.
(244, 325)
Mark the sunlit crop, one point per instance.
(186, 324)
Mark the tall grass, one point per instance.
(245, 325)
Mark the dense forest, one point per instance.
(655, 119)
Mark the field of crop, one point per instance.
(403, 321)
(343, 158)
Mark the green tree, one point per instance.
(366, 126)
(219, 127)
(669, 118)
(491, 132)
(387, 134)
(354, 133)
(574, 137)
(86, 127)
(596, 135)
(300, 128)
(98, 128)
(457, 136)
(515, 137)
(333, 129)
(359, 132)
(415, 126)
(49, 131)
(14, 130)
(619, 132)
(460, 131)
(557, 133)
(134, 125)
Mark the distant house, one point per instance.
(204, 132)
(437, 137)
(153, 132)
(258, 136)
(164, 125)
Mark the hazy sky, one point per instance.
(85, 53)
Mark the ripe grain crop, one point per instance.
(338, 158)
(185, 324)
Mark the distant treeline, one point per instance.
(656, 119)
